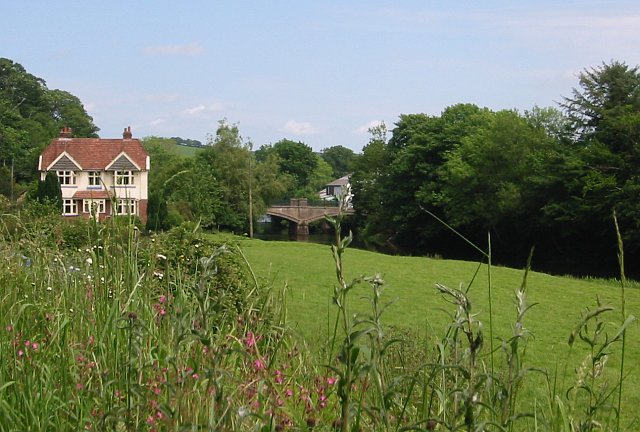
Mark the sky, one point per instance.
(319, 72)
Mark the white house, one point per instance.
(333, 190)
(100, 177)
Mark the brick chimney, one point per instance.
(66, 132)
(127, 133)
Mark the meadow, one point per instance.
(103, 327)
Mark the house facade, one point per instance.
(333, 190)
(99, 177)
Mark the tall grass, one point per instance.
(104, 328)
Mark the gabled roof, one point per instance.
(94, 153)
(341, 181)
(122, 163)
(65, 163)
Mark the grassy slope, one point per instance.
(308, 272)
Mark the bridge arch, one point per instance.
(300, 214)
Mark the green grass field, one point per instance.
(308, 272)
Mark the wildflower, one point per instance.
(9, 328)
(79, 386)
(151, 420)
(259, 364)
(278, 378)
(20, 353)
(243, 412)
(250, 340)
(331, 380)
(288, 393)
(158, 274)
(162, 299)
(89, 261)
(49, 288)
(161, 257)
(195, 376)
(35, 346)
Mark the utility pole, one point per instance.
(250, 190)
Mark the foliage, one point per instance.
(341, 159)
(296, 160)
(30, 115)
(49, 190)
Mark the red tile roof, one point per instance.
(91, 194)
(94, 153)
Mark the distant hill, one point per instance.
(175, 145)
(187, 142)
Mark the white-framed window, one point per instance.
(123, 178)
(126, 206)
(94, 178)
(69, 207)
(66, 177)
(94, 206)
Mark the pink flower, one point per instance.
(20, 353)
(331, 380)
(9, 328)
(278, 378)
(151, 420)
(259, 364)
(35, 346)
(162, 299)
(288, 393)
(27, 343)
(250, 340)
(195, 376)
(157, 390)
(79, 386)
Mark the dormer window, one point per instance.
(123, 178)
(94, 178)
(66, 177)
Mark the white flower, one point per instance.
(89, 261)
(158, 274)
(49, 289)
(161, 257)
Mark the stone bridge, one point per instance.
(300, 214)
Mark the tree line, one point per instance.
(546, 177)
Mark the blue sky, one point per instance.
(319, 72)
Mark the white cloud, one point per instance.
(364, 129)
(157, 121)
(174, 49)
(195, 109)
(299, 128)
(203, 109)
